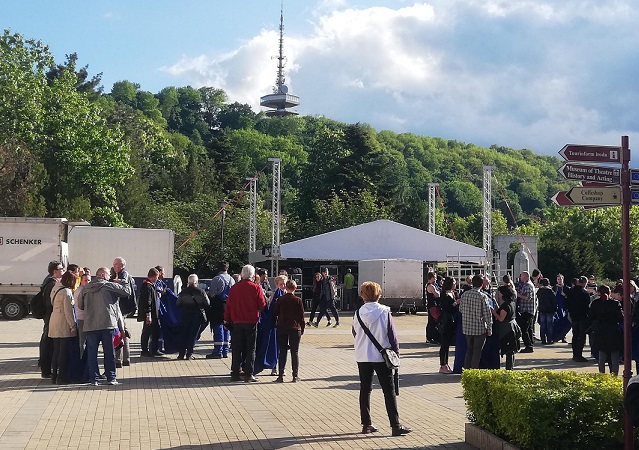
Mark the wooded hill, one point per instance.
(169, 159)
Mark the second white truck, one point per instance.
(402, 281)
(27, 245)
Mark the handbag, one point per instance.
(391, 358)
(203, 316)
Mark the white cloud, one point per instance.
(520, 73)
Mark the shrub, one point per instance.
(541, 409)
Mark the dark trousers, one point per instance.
(525, 322)
(431, 330)
(243, 352)
(150, 331)
(385, 377)
(473, 352)
(46, 351)
(510, 361)
(289, 339)
(315, 304)
(324, 307)
(579, 328)
(189, 327)
(444, 349)
(350, 299)
(60, 360)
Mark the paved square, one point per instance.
(163, 403)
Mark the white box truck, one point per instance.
(402, 281)
(28, 244)
(142, 248)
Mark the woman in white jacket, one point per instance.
(379, 321)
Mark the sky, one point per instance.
(533, 74)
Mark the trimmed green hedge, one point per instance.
(541, 409)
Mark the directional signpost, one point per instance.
(595, 196)
(591, 153)
(599, 174)
(592, 195)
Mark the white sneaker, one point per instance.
(113, 383)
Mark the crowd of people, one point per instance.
(512, 311)
(264, 325)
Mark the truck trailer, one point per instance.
(27, 245)
(402, 281)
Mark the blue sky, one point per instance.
(519, 73)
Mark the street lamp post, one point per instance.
(223, 205)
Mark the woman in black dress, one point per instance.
(509, 331)
(446, 324)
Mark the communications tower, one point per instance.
(280, 100)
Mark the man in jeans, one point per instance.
(477, 321)
(578, 305)
(526, 307)
(243, 306)
(547, 309)
(99, 300)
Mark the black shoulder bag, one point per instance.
(390, 357)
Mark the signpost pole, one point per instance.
(627, 323)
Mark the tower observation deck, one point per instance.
(280, 100)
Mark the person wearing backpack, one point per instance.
(55, 269)
(218, 294)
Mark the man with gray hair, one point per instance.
(99, 300)
(245, 301)
(192, 300)
(128, 306)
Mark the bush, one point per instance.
(540, 409)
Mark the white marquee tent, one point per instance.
(381, 239)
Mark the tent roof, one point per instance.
(381, 239)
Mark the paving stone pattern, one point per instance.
(163, 403)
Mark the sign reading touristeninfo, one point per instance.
(595, 195)
(591, 153)
(585, 172)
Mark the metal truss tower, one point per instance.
(431, 207)
(252, 213)
(487, 217)
(275, 216)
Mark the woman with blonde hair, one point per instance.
(62, 326)
(378, 320)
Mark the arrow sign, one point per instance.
(561, 199)
(595, 195)
(599, 174)
(591, 153)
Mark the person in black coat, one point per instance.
(148, 313)
(509, 330)
(547, 309)
(578, 304)
(446, 323)
(607, 316)
(193, 301)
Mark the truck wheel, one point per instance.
(13, 309)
